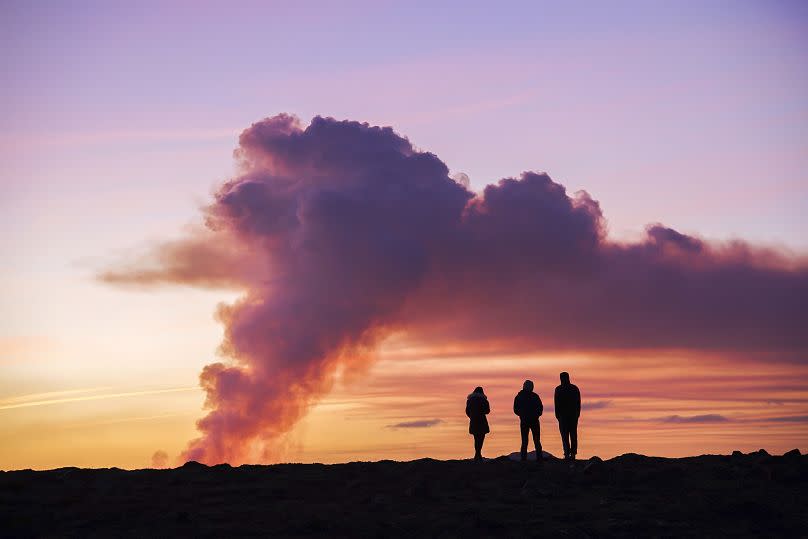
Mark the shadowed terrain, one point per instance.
(752, 494)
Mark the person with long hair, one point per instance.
(477, 408)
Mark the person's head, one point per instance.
(479, 390)
(565, 378)
(527, 386)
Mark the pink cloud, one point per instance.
(341, 234)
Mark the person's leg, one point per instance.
(478, 446)
(573, 437)
(523, 428)
(536, 440)
(562, 426)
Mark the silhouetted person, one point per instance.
(567, 411)
(477, 408)
(527, 405)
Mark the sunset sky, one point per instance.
(119, 125)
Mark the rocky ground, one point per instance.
(631, 495)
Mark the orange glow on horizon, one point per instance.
(668, 406)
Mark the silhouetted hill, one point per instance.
(753, 494)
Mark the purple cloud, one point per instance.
(706, 418)
(789, 419)
(339, 234)
(595, 405)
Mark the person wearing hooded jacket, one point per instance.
(527, 405)
(567, 410)
(477, 408)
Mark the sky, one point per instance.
(119, 124)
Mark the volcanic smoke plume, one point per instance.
(340, 234)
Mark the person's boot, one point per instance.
(524, 456)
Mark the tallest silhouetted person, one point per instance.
(527, 405)
(568, 410)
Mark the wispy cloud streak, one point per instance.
(48, 395)
(704, 418)
(104, 396)
(788, 419)
(417, 424)
(595, 405)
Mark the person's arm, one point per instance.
(555, 404)
(541, 406)
(577, 402)
(515, 407)
(468, 412)
(486, 408)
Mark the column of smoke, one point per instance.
(340, 233)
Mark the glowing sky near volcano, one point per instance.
(119, 121)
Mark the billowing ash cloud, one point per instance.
(463, 179)
(340, 234)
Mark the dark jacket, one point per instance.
(567, 402)
(527, 405)
(476, 409)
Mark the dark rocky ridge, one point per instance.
(750, 495)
